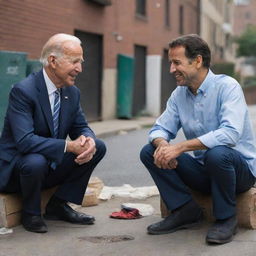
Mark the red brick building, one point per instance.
(140, 29)
(244, 16)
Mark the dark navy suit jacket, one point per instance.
(28, 125)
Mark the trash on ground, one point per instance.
(126, 213)
(128, 191)
(96, 183)
(92, 192)
(90, 197)
(144, 209)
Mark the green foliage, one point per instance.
(247, 42)
(226, 68)
(249, 81)
(237, 76)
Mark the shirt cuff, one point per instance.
(65, 149)
(158, 134)
(209, 140)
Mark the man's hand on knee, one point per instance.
(90, 149)
(165, 156)
(83, 147)
(74, 146)
(159, 156)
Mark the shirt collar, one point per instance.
(205, 84)
(51, 88)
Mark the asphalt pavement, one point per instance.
(121, 164)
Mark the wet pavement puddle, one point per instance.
(106, 239)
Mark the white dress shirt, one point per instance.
(51, 88)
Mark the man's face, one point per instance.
(184, 70)
(69, 65)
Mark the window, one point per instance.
(101, 2)
(167, 13)
(181, 17)
(247, 15)
(141, 7)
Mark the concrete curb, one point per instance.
(116, 126)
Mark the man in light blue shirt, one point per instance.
(212, 112)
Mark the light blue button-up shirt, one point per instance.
(216, 115)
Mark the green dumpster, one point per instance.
(125, 80)
(33, 66)
(12, 70)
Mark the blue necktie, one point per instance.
(56, 113)
(55, 116)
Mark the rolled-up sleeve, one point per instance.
(168, 124)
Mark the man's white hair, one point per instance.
(54, 46)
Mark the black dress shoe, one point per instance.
(33, 223)
(57, 209)
(186, 216)
(222, 231)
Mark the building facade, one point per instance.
(217, 19)
(246, 66)
(245, 15)
(140, 29)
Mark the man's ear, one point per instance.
(199, 61)
(52, 61)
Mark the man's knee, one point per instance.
(33, 164)
(146, 153)
(217, 156)
(100, 148)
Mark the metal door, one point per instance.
(139, 90)
(168, 83)
(89, 81)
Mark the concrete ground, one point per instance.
(113, 237)
(122, 237)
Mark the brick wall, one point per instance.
(245, 15)
(250, 95)
(26, 25)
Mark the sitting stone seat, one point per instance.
(246, 207)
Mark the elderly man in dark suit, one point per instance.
(34, 150)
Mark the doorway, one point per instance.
(90, 80)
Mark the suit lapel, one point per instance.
(44, 100)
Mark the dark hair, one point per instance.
(194, 45)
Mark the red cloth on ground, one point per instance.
(126, 214)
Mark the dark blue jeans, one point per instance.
(32, 173)
(223, 174)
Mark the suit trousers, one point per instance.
(32, 173)
(223, 174)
